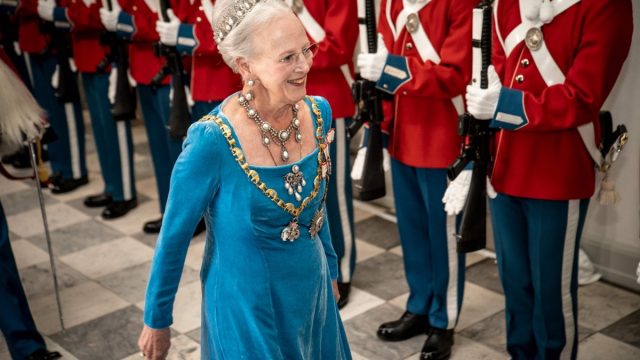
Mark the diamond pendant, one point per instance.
(291, 232)
(294, 182)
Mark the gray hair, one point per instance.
(238, 43)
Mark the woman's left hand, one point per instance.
(336, 293)
(154, 344)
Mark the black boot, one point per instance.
(438, 345)
(153, 226)
(98, 200)
(8, 159)
(44, 354)
(119, 208)
(408, 326)
(344, 289)
(22, 159)
(61, 186)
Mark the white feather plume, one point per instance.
(20, 118)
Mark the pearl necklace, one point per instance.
(268, 132)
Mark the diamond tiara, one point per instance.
(231, 18)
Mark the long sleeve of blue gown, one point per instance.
(193, 184)
(324, 234)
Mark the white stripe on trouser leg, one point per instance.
(73, 140)
(452, 286)
(123, 147)
(340, 172)
(27, 62)
(573, 215)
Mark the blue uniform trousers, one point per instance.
(113, 139)
(202, 108)
(154, 103)
(340, 202)
(67, 153)
(16, 322)
(433, 268)
(537, 242)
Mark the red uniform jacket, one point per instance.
(539, 152)
(137, 22)
(30, 38)
(423, 128)
(86, 29)
(211, 78)
(332, 71)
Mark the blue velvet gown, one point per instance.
(263, 298)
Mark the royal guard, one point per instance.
(190, 31)
(424, 61)
(135, 21)
(555, 64)
(112, 138)
(54, 83)
(332, 27)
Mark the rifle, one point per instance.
(67, 90)
(368, 101)
(472, 234)
(124, 106)
(179, 116)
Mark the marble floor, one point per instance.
(103, 267)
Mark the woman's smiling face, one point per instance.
(283, 57)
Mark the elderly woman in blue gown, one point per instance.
(256, 168)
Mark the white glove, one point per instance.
(490, 190)
(358, 164)
(45, 9)
(371, 65)
(132, 81)
(109, 18)
(72, 65)
(190, 101)
(456, 194)
(482, 103)
(168, 31)
(55, 77)
(16, 48)
(113, 79)
(187, 92)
